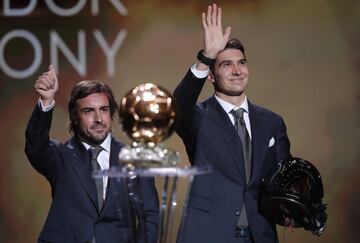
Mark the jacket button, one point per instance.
(237, 212)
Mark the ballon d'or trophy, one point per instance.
(148, 114)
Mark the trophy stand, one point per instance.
(168, 191)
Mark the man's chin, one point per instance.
(99, 139)
(94, 139)
(233, 93)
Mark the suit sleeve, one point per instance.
(38, 147)
(283, 143)
(186, 95)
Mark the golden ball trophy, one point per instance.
(148, 116)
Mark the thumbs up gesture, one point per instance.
(47, 85)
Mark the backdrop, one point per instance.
(304, 60)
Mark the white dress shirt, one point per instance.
(224, 104)
(229, 107)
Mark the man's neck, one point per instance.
(88, 144)
(235, 100)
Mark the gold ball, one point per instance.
(148, 113)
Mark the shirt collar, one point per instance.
(229, 107)
(106, 144)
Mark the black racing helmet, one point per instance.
(293, 196)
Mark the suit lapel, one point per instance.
(260, 139)
(114, 162)
(232, 141)
(83, 168)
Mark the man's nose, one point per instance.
(236, 70)
(97, 116)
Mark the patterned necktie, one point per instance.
(240, 127)
(94, 152)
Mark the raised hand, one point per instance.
(214, 38)
(47, 85)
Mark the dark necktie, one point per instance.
(240, 127)
(94, 152)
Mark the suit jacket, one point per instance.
(74, 215)
(209, 136)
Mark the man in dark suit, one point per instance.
(242, 147)
(85, 209)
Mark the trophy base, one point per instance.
(148, 155)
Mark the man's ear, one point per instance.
(211, 77)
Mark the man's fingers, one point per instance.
(208, 16)
(53, 76)
(219, 17)
(43, 94)
(45, 81)
(40, 86)
(203, 16)
(214, 14)
(227, 33)
(52, 71)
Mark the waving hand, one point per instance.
(215, 38)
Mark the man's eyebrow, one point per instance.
(87, 108)
(224, 61)
(227, 60)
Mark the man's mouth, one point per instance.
(98, 128)
(237, 80)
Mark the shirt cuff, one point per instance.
(199, 73)
(46, 108)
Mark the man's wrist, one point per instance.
(204, 59)
(199, 73)
(46, 106)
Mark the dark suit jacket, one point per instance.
(74, 215)
(210, 138)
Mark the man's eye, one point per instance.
(243, 61)
(87, 111)
(105, 109)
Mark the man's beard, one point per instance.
(89, 138)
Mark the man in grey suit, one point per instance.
(242, 141)
(84, 209)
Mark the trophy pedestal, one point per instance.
(168, 179)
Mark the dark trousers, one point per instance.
(241, 235)
(241, 240)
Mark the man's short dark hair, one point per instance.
(233, 43)
(84, 89)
